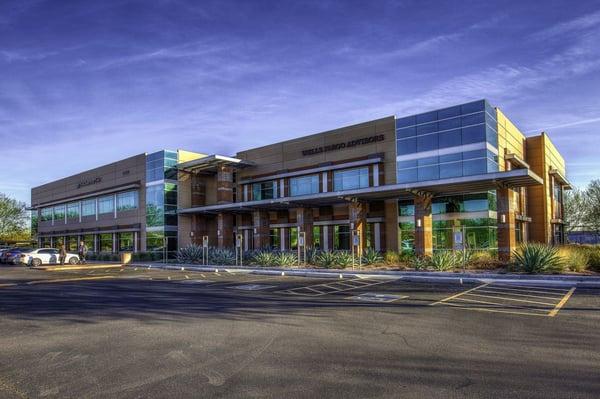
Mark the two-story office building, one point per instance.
(403, 183)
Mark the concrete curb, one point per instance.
(431, 277)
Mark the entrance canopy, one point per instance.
(211, 162)
(442, 187)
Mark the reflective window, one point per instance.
(105, 242)
(406, 208)
(46, 214)
(341, 237)
(263, 190)
(406, 132)
(427, 117)
(406, 146)
(473, 134)
(427, 143)
(475, 106)
(106, 204)
(73, 210)
(127, 201)
(474, 167)
(407, 175)
(449, 112)
(405, 122)
(125, 241)
(448, 124)
(88, 207)
(304, 185)
(451, 169)
(473, 119)
(59, 213)
(429, 172)
(428, 128)
(350, 179)
(275, 239)
(451, 138)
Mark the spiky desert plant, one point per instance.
(538, 258)
(191, 253)
(286, 259)
(221, 256)
(344, 259)
(263, 258)
(445, 260)
(371, 257)
(420, 262)
(325, 259)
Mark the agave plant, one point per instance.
(343, 259)
(218, 256)
(445, 260)
(286, 259)
(420, 262)
(263, 258)
(371, 257)
(538, 258)
(191, 253)
(326, 259)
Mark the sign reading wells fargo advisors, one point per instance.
(341, 146)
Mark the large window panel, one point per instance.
(59, 213)
(448, 124)
(473, 134)
(127, 201)
(88, 207)
(106, 204)
(46, 214)
(73, 210)
(407, 175)
(263, 190)
(451, 169)
(406, 146)
(304, 185)
(451, 138)
(350, 179)
(427, 128)
(406, 132)
(429, 172)
(474, 167)
(474, 119)
(427, 143)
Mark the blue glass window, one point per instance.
(451, 157)
(88, 207)
(407, 164)
(473, 134)
(427, 117)
(405, 122)
(473, 107)
(304, 185)
(474, 119)
(449, 124)
(451, 138)
(451, 169)
(474, 167)
(350, 179)
(427, 143)
(406, 132)
(406, 146)
(407, 175)
(428, 128)
(449, 112)
(106, 204)
(263, 190)
(427, 161)
(429, 172)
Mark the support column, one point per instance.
(304, 219)
(224, 184)
(391, 225)
(507, 239)
(260, 223)
(423, 226)
(224, 230)
(358, 221)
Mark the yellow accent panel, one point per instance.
(185, 156)
(510, 139)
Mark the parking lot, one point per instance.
(136, 332)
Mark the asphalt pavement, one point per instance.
(129, 333)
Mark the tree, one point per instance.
(13, 219)
(576, 210)
(592, 218)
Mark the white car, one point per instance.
(46, 256)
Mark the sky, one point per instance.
(87, 83)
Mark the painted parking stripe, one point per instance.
(500, 305)
(506, 298)
(534, 291)
(562, 302)
(494, 310)
(460, 294)
(533, 287)
(330, 288)
(487, 290)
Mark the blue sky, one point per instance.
(86, 83)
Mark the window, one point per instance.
(304, 185)
(274, 239)
(46, 215)
(406, 208)
(106, 204)
(474, 167)
(350, 179)
(72, 243)
(429, 172)
(105, 242)
(316, 237)
(59, 213)
(406, 146)
(473, 134)
(88, 239)
(406, 132)
(264, 190)
(73, 210)
(88, 207)
(127, 201)
(341, 237)
(125, 241)
(427, 143)
(293, 237)
(407, 175)
(451, 138)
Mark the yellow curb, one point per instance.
(78, 267)
(64, 280)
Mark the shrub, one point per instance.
(191, 253)
(391, 257)
(538, 258)
(593, 253)
(263, 258)
(344, 259)
(445, 260)
(218, 256)
(575, 258)
(311, 256)
(420, 262)
(326, 259)
(371, 257)
(285, 259)
(407, 255)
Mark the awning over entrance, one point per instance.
(452, 186)
(211, 162)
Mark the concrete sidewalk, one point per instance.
(424, 276)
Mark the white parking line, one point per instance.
(331, 288)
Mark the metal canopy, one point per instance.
(561, 179)
(435, 188)
(211, 162)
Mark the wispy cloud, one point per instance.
(563, 125)
(572, 26)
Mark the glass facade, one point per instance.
(106, 204)
(451, 142)
(161, 201)
(274, 239)
(341, 237)
(73, 210)
(304, 185)
(46, 215)
(88, 207)
(125, 241)
(105, 242)
(127, 201)
(59, 214)
(350, 179)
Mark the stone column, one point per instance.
(391, 225)
(260, 224)
(224, 184)
(357, 216)
(423, 226)
(224, 230)
(507, 239)
(304, 220)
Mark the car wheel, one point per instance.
(74, 260)
(36, 262)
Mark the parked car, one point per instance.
(2, 251)
(45, 256)
(12, 256)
